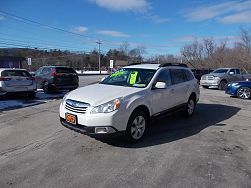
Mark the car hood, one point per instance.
(98, 94)
(215, 74)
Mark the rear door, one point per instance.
(65, 76)
(180, 86)
(17, 78)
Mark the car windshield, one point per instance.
(130, 77)
(220, 71)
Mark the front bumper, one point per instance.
(90, 131)
(87, 122)
(212, 83)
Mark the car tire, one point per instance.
(223, 85)
(244, 93)
(136, 126)
(31, 95)
(46, 87)
(190, 107)
(206, 87)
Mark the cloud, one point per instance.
(143, 7)
(112, 33)
(191, 38)
(123, 5)
(158, 20)
(224, 12)
(243, 17)
(2, 17)
(79, 29)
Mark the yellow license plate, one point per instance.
(71, 118)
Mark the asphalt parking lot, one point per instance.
(211, 149)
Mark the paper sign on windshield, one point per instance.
(133, 77)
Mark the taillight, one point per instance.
(30, 78)
(54, 73)
(4, 79)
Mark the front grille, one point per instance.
(210, 77)
(76, 106)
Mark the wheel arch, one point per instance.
(142, 108)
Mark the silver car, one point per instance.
(17, 81)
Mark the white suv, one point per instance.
(125, 101)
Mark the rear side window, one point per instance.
(22, 73)
(189, 75)
(178, 76)
(65, 70)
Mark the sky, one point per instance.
(162, 27)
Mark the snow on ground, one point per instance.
(17, 102)
(91, 72)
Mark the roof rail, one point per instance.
(173, 64)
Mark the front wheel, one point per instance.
(244, 93)
(136, 126)
(223, 85)
(46, 87)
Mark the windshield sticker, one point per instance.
(133, 77)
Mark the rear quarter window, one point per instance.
(189, 75)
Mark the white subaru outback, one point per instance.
(125, 101)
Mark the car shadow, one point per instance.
(175, 127)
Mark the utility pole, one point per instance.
(99, 43)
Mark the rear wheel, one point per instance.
(31, 95)
(136, 126)
(190, 107)
(244, 93)
(223, 85)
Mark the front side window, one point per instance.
(130, 77)
(178, 76)
(164, 76)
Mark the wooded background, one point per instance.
(200, 53)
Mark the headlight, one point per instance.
(107, 107)
(216, 78)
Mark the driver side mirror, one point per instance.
(160, 85)
(231, 73)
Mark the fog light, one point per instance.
(101, 130)
(104, 130)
